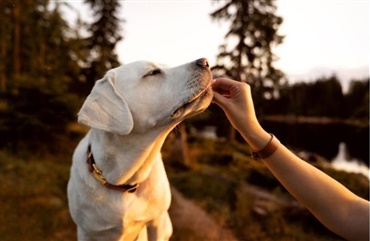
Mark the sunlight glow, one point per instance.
(322, 37)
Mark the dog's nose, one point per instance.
(203, 62)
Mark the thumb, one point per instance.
(219, 99)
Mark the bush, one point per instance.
(35, 118)
(215, 191)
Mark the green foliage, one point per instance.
(105, 34)
(219, 173)
(253, 32)
(217, 192)
(43, 69)
(356, 183)
(262, 177)
(357, 99)
(323, 97)
(36, 124)
(36, 102)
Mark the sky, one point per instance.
(322, 37)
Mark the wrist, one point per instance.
(267, 150)
(255, 135)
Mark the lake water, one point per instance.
(344, 162)
(347, 147)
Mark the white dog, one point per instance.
(118, 188)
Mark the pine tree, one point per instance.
(105, 34)
(247, 54)
(36, 103)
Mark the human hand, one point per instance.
(235, 98)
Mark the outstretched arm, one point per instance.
(329, 201)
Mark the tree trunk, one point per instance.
(2, 51)
(184, 145)
(41, 60)
(232, 133)
(16, 46)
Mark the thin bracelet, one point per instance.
(268, 150)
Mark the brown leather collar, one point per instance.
(98, 174)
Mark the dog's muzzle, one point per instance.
(203, 75)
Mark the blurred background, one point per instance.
(307, 63)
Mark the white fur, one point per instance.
(130, 112)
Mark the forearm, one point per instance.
(334, 205)
(328, 200)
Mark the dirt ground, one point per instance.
(190, 222)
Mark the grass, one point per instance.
(33, 198)
(215, 179)
(33, 202)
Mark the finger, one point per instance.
(219, 99)
(224, 93)
(222, 84)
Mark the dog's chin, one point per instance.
(195, 105)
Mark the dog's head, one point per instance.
(142, 95)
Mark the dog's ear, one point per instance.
(106, 109)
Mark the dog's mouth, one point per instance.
(195, 102)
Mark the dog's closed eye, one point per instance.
(153, 72)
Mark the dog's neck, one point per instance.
(127, 159)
